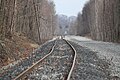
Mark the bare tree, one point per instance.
(102, 18)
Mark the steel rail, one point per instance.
(35, 64)
(74, 60)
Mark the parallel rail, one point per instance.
(37, 63)
(74, 59)
(34, 65)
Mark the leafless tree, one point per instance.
(102, 18)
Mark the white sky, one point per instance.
(69, 7)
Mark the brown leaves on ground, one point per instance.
(19, 47)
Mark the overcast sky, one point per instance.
(69, 7)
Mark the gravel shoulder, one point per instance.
(105, 50)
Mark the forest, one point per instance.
(23, 25)
(100, 19)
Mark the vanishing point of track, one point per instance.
(22, 75)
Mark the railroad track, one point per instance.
(56, 60)
(22, 75)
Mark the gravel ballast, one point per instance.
(56, 66)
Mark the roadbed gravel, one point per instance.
(104, 50)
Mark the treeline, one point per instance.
(33, 18)
(100, 19)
